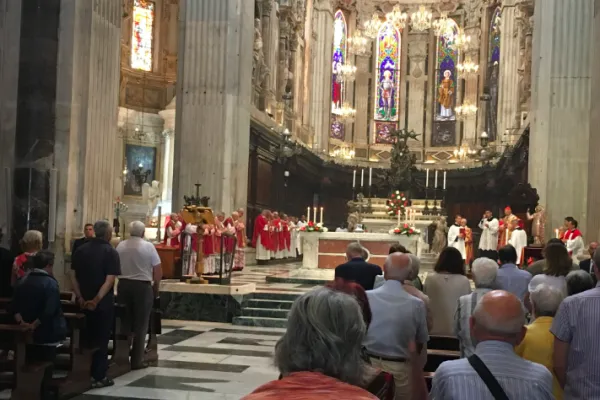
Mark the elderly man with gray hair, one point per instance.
(138, 287)
(398, 319)
(484, 273)
(494, 370)
(579, 281)
(357, 269)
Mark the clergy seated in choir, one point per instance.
(190, 250)
(173, 229)
(468, 233)
(573, 239)
(456, 236)
(488, 243)
(239, 261)
(505, 227)
(518, 240)
(261, 237)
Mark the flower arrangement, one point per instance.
(406, 230)
(396, 204)
(312, 227)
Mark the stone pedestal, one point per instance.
(213, 101)
(563, 141)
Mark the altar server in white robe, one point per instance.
(488, 243)
(456, 237)
(299, 225)
(518, 240)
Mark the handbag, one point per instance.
(486, 375)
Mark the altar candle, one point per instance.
(321, 215)
(399, 213)
(308, 213)
(444, 181)
(370, 176)
(315, 214)
(354, 179)
(435, 180)
(556, 233)
(362, 178)
(426, 177)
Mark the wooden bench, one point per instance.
(440, 342)
(436, 357)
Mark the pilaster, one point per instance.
(508, 96)
(417, 82)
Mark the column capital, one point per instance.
(267, 8)
(473, 11)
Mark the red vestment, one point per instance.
(240, 235)
(572, 234)
(259, 230)
(287, 236)
(175, 231)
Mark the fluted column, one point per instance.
(593, 198)
(213, 101)
(472, 86)
(417, 81)
(321, 87)
(508, 83)
(269, 51)
(361, 102)
(562, 152)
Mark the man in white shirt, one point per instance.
(488, 243)
(140, 267)
(456, 237)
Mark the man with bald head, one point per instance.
(398, 319)
(497, 326)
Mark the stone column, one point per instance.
(269, 51)
(508, 83)
(213, 101)
(593, 195)
(417, 82)
(168, 114)
(361, 103)
(321, 74)
(562, 156)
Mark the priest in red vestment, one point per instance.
(573, 238)
(506, 227)
(173, 229)
(287, 236)
(278, 240)
(261, 236)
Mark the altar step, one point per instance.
(269, 310)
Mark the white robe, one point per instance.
(262, 253)
(518, 240)
(575, 247)
(293, 240)
(455, 241)
(299, 241)
(489, 235)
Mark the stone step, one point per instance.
(300, 281)
(264, 312)
(261, 322)
(264, 303)
(276, 296)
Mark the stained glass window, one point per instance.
(340, 35)
(493, 72)
(494, 55)
(447, 59)
(142, 35)
(388, 74)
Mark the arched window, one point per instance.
(493, 72)
(142, 34)
(447, 79)
(340, 36)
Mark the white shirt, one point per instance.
(518, 240)
(489, 234)
(138, 259)
(455, 241)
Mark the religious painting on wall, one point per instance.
(444, 134)
(142, 34)
(493, 74)
(388, 74)
(140, 168)
(447, 59)
(337, 129)
(383, 132)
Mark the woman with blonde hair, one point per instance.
(31, 243)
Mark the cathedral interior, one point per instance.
(284, 104)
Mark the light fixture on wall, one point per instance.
(344, 152)
(461, 41)
(442, 25)
(397, 18)
(421, 20)
(467, 68)
(345, 114)
(359, 45)
(466, 111)
(373, 26)
(346, 73)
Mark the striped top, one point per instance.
(520, 379)
(462, 329)
(578, 322)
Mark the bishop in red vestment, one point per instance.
(261, 237)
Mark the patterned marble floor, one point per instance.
(257, 274)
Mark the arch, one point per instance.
(340, 43)
(447, 79)
(142, 36)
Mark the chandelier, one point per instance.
(344, 152)
(461, 41)
(346, 73)
(372, 27)
(345, 114)
(465, 111)
(442, 25)
(397, 18)
(421, 20)
(359, 45)
(467, 68)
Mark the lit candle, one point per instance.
(435, 179)
(308, 213)
(354, 179)
(315, 213)
(444, 181)
(362, 178)
(426, 177)
(321, 215)
(370, 176)
(556, 233)
(398, 218)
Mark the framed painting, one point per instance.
(383, 132)
(140, 167)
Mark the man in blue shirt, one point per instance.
(510, 277)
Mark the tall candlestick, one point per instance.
(370, 176)
(435, 180)
(556, 233)
(444, 187)
(308, 213)
(354, 179)
(362, 178)
(321, 215)
(426, 177)
(315, 214)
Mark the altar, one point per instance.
(327, 250)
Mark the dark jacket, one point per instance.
(77, 243)
(359, 271)
(6, 263)
(37, 296)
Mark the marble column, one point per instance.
(321, 74)
(213, 101)
(417, 83)
(10, 29)
(562, 152)
(593, 195)
(471, 82)
(307, 64)
(508, 83)
(361, 103)
(270, 39)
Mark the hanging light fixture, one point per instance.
(421, 20)
(359, 45)
(346, 73)
(373, 26)
(467, 68)
(461, 41)
(397, 18)
(344, 152)
(345, 114)
(441, 25)
(466, 111)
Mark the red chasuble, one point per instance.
(259, 229)
(287, 236)
(572, 234)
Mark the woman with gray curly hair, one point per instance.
(320, 355)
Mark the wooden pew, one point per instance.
(440, 342)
